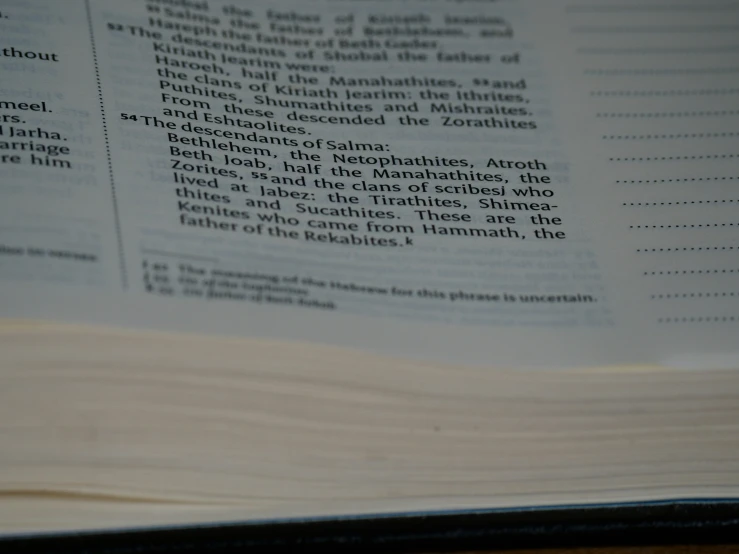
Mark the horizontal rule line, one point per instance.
(178, 255)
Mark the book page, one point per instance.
(507, 183)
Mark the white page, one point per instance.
(268, 224)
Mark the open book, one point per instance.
(273, 260)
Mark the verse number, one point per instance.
(129, 117)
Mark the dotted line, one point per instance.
(116, 216)
(691, 272)
(648, 8)
(694, 295)
(678, 203)
(677, 180)
(687, 249)
(706, 319)
(670, 158)
(695, 226)
(687, 50)
(677, 71)
(671, 136)
(694, 92)
(667, 114)
(633, 29)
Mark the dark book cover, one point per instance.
(665, 522)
